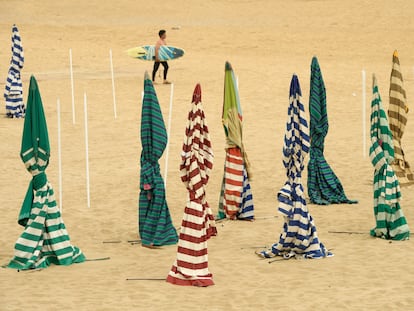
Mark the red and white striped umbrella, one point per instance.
(191, 265)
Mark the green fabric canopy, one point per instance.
(44, 239)
(155, 224)
(390, 220)
(324, 186)
(232, 112)
(236, 199)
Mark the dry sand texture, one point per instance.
(266, 41)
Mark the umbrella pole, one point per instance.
(113, 81)
(71, 83)
(59, 155)
(168, 135)
(85, 106)
(364, 128)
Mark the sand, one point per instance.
(266, 42)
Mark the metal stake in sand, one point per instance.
(364, 128)
(85, 107)
(71, 83)
(168, 135)
(59, 155)
(113, 81)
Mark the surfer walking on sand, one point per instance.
(161, 41)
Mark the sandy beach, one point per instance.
(266, 42)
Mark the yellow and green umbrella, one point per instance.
(236, 200)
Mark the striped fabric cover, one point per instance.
(221, 213)
(324, 186)
(44, 240)
(191, 265)
(299, 236)
(236, 199)
(247, 209)
(155, 224)
(13, 92)
(397, 116)
(390, 220)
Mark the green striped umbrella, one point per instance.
(390, 220)
(324, 186)
(155, 224)
(44, 239)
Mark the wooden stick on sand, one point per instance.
(145, 279)
(348, 232)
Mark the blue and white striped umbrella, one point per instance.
(299, 236)
(13, 92)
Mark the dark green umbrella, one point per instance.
(155, 224)
(44, 239)
(324, 186)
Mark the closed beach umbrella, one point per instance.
(44, 240)
(299, 236)
(236, 200)
(397, 116)
(155, 224)
(390, 220)
(13, 92)
(191, 265)
(324, 186)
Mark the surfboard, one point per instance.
(147, 52)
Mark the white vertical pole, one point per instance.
(113, 81)
(59, 155)
(71, 82)
(85, 107)
(364, 128)
(168, 135)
